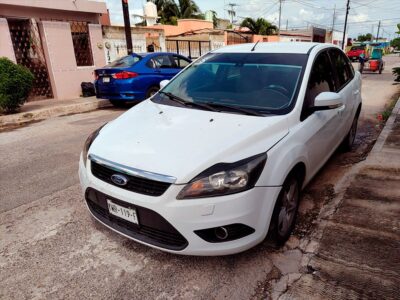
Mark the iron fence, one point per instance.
(191, 49)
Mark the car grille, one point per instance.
(135, 184)
(152, 229)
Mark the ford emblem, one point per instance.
(119, 179)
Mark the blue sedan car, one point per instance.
(137, 76)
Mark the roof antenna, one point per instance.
(254, 47)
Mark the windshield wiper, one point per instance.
(187, 103)
(237, 109)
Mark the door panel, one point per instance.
(319, 128)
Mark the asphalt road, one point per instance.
(50, 248)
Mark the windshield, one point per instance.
(126, 61)
(357, 48)
(258, 81)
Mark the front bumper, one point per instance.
(252, 208)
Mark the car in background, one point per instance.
(136, 77)
(219, 156)
(355, 51)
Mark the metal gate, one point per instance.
(234, 38)
(191, 49)
(28, 51)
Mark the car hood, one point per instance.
(183, 142)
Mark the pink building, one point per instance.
(60, 41)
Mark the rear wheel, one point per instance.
(151, 91)
(348, 142)
(285, 211)
(118, 103)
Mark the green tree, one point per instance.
(398, 27)
(395, 43)
(169, 10)
(365, 37)
(259, 26)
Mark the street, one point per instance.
(51, 248)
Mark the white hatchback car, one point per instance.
(220, 155)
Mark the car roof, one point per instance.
(274, 47)
(149, 54)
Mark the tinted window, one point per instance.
(321, 80)
(342, 67)
(160, 61)
(180, 62)
(357, 48)
(126, 61)
(263, 82)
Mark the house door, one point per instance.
(28, 51)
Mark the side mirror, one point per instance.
(163, 83)
(327, 100)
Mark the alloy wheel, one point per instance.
(288, 209)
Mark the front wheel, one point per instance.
(285, 211)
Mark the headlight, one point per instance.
(89, 142)
(225, 178)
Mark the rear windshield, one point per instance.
(258, 81)
(358, 48)
(126, 61)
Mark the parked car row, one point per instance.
(218, 157)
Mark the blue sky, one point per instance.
(363, 17)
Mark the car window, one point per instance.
(160, 61)
(342, 67)
(257, 81)
(126, 61)
(357, 48)
(321, 80)
(180, 62)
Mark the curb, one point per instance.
(24, 118)
(380, 142)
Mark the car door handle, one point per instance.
(356, 92)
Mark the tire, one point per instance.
(347, 144)
(285, 211)
(118, 103)
(151, 91)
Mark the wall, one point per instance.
(265, 38)
(66, 5)
(115, 43)
(6, 47)
(184, 25)
(65, 75)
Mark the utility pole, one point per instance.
(231, 11)
(333, 20)
(280, 14)
(287, 24)
(377, 34)
(127, 23)
(345, 23)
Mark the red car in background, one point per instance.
(355, 51)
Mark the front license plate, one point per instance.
(128, 214)
(106, 79)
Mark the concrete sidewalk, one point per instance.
(355, 252)
(40, 110)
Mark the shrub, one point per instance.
(15, 84)
(396, 72)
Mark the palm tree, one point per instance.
(169, 11)
(259, 26)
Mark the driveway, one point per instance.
(50, 248)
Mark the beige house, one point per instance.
(60, 41)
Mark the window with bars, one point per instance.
(81, 41)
